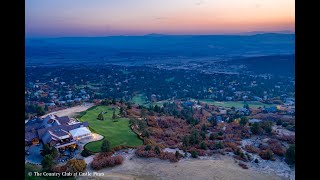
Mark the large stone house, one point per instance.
(60, 132)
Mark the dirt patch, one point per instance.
(222, 168)
(70, 112)
(282, 131)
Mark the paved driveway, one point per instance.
(94, 137)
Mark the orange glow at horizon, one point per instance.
(158, 16)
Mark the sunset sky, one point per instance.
(59, 18)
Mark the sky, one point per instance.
(62, 18)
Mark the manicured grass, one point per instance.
(118, 133)
(237, 104)
(139, 99)
(159, 103)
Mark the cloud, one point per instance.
(160, 18)
(199, 2)
(257, 5)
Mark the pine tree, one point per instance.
(143, 113)
(157, 150)
(203, 146)
(47, 162)
(121, 110)
(243, 121)
(129, 106)
(177, 154)
(290, 155)
(114, 115)
(100, 116)
(105, 146)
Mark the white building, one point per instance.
(80, 133)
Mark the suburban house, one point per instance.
(254, 120)
(217, 118)
(60, 132)
(243, 111)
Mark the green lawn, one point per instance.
(159, 103)
(139, 99)
(118, 133)
(237, 104)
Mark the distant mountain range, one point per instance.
(266, 32)
(242, 33)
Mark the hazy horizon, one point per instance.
(250, 33)
(97, 18)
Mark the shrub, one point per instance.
(290, 155)
(59, 169)
(237, 151)
(242, 155)
(231, 145)
(251, 149)
(266, 126)
(243, 121)
(244, 166)
(266, 154)
(256, 161)
(284, 124)
(212, 136)
(186, 154)
(194, 138)
(145, 133)
(194, 154)
(117, 148)
(185, 141)
(218, 145)
(291, 128)
(204, 128)
(177, 154)
(203, 145)
(74, 165)
(249, 157)
(147, 148)
(168, 156)
(277, 149)
(108, 161)
(85, 153)
(279, 122)
(289, 138)
(157, 150)
(203, 135)
(255, 128)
